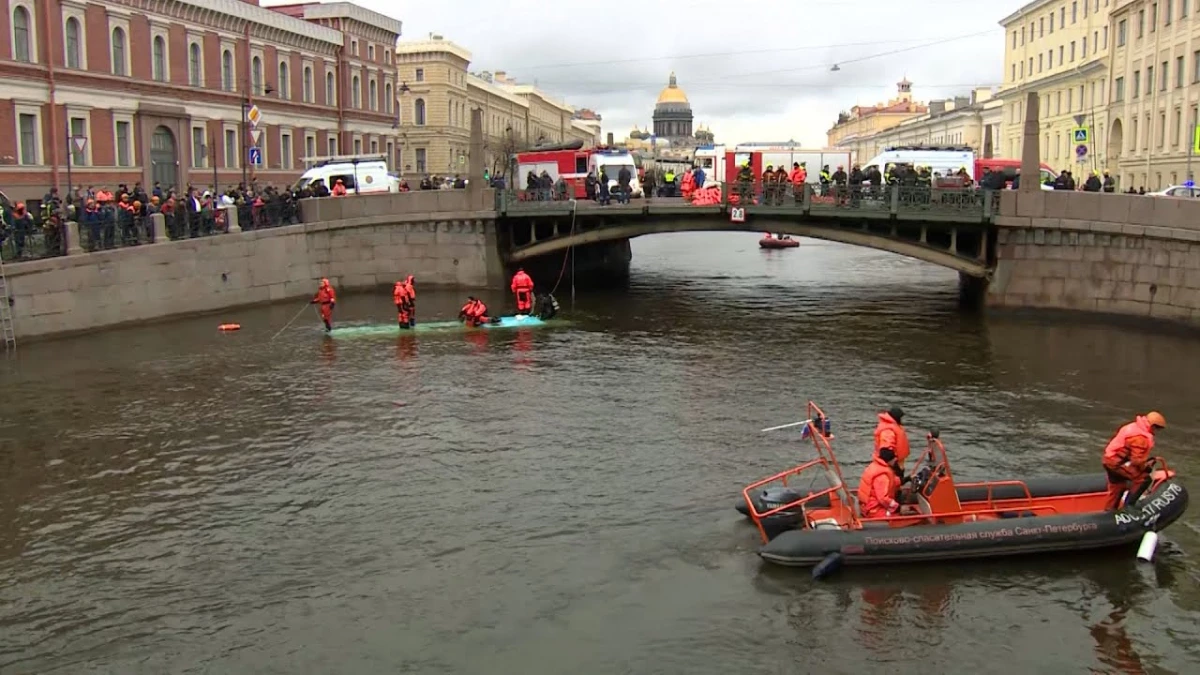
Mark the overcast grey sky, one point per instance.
(754, 70)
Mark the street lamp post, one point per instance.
(400, 91)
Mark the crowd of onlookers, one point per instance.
(109, 218)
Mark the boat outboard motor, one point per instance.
(547, 307)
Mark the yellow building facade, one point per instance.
(961, 121)
(435, 112)
(866, 121)
(1154, 77)
(1058, 48)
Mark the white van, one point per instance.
(362, 174)
(612, 161)
(944, 161)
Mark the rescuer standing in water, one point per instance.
(522, 288)
(1127, 458)
(474, 313)
(411, 294)
(325, 299)
(400, 297)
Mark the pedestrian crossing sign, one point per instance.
(1081, 134)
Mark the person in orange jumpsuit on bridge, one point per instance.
(1127, 458)
(400, 297)
(522, 288)
(339, 189)
(326, 299)
(879, 486)
(890, 435)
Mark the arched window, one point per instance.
(387, 96)
(329, 90)
(22, 35)
(73, 33)
(160, 59)
(285, 83)
(419, 112)
(256, 75)
(195, 65)
(227, 70)
(373, 95)
(118, 52)
(356, 92)
(308, 84)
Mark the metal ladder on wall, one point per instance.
(6, 321)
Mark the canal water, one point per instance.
(561, 500)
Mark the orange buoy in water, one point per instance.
(227, 327)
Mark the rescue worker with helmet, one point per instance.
(890, 435)
(410, 293)
(798, 177)
(522, 288)
(1127, 458)
(339, 188)
(326, 299)
(880, 486)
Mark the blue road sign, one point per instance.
(1081, 151)
(256, 156)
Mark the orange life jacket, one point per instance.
(889, 433)
(877, 490)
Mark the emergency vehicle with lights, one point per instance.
(572, 163)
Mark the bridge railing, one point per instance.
(916, 202)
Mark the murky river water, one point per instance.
(174, 500)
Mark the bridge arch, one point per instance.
(936, 246)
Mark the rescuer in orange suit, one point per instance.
(1127, 456)
(474, 313)
(878, 488)
(339, 188)
(412, 300)
(522, 288)
(326, 298)
(890, 434)
(400, 297)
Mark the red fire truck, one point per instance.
(572, 162)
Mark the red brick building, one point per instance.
(158, 87)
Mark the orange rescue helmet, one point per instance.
(1156, 420)
(324, 282)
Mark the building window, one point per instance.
(1175, 128)
(199, 149)
(373, 95)
(1040, 62)
(72, 31)
(355, 92)
(1149, 79)
(195, 65)
(1014, 39)
(388, 99)
(231, 149)
(1153, 17)
(1061, 51)
(332, 146)
(1183, 8)
(1121, 31)
(1073, 51)
(374, 147)
(227, 70)
(370, 52)
(1170, 11)
(78, 127)
(159, 59)
(1162, 79)
(27, 127)
(419, 112)
(391, 153)
(118, 54)
(256, 76)
(1013, 77)
(420, 160)
(387, 57)
(1075, 11)
(308, 84)
(420, 75)
(354, 47)
(1141, 23)
(285, 82)
(1162, 129)
(310, 146)
(285, 151)
(124, 138)
(358, 146)
(22, 35)
(1137, 84)
(1070, 99)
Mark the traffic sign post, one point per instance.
(1080, 134)
(1081, 152)
(254, 116)
(256, 135)
(255, 156)
(74, 144)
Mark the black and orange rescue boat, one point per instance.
(943, 519)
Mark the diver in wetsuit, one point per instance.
(547, 307)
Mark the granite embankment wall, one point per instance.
(1119, 254)
(443, 238)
